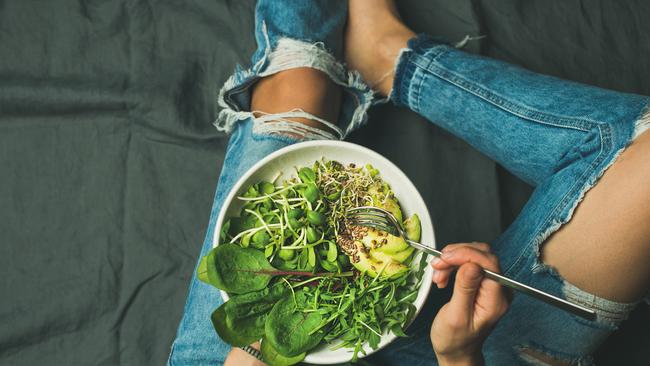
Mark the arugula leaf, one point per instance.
(398, 330)
(273, 358)
(240, 320)
(289, 329)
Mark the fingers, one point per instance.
(442, 272)
(493, 296)
(484, 247)
(461, 305)
(467, 254)
(476, 304)
(463, 252)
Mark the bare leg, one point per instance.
(374, 37)
(605, 248)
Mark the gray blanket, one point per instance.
(108, 160)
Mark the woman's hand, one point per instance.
(461, 326)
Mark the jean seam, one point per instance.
(417, 91)
(402, 74)
(503, 103)
(414, 93)
(605, 144)
(436, 52)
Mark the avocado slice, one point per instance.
(413, 227)
(364, 262)
(400, 256)
(384, 242)
(390, 205)
(381, 200)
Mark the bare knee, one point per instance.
(304, 89)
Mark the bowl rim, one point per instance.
(402, 177)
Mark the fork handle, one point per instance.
(531, 291)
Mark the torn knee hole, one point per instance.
(296, 124)
(536, 357)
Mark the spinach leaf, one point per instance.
(240, 320)
(288, 328)
(236, 270)
(273, 358)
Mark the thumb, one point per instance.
(468, 281)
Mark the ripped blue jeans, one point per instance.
(556, 135)
(289, 34)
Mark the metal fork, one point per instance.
(383, 220)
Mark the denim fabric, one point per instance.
(290, 33)
(558, 136)
(196, 341)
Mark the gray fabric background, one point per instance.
(108, 160)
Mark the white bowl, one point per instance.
(304, 154)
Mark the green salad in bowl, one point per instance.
(297, 276)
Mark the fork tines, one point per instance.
(373, 224)
(374, 217)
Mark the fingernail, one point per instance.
(435, 261)
(447, 255)
(436, 275)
